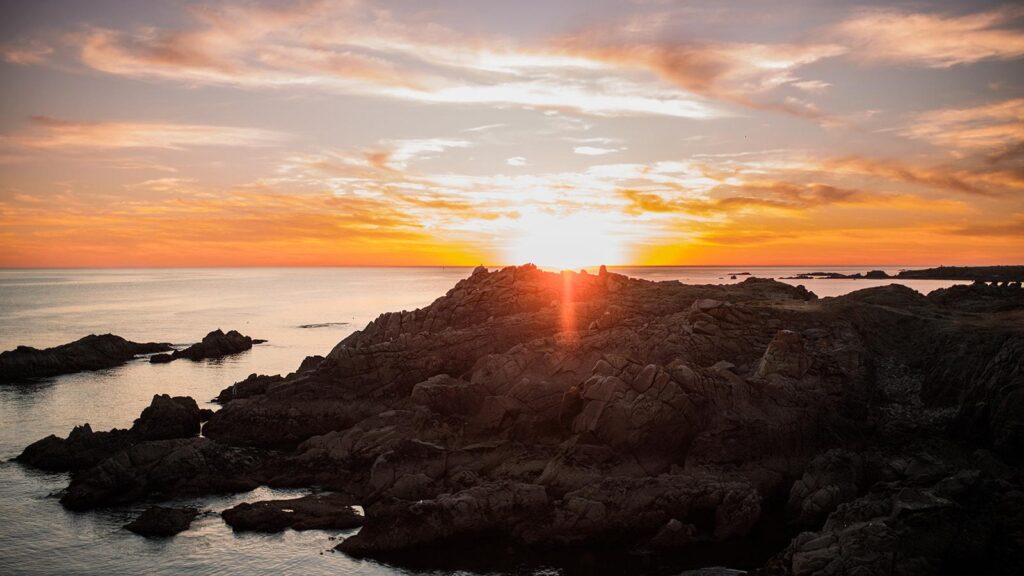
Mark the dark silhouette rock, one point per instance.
(86, 354)
(544, 411)
(178, 467)
(313, 512)
(167, 417)
(164, 418)
(161, 521)
(83, 448)
(214, 345)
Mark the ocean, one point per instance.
(299, 311)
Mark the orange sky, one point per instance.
(567, 134)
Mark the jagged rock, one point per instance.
(527, 408)
(254, 385)
(214, 345)
(167, 417)
(179, 467)
(313, 512)
(785, 356)
(83, 448)
(90, 353)
(446, 395)
(161, 521)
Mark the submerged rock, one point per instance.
(161, 521)
(90, 353)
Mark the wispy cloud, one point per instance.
(46, 133)
(994, 127)
(30, 52)
(594, 150)
(935, 40)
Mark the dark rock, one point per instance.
(543, 411)
(313, 512)
(214, 345)
(83, 448)
(161, 521)
(167, 468)
(89, 353)
(167, 417)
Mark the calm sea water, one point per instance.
(44, 308)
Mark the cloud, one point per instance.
(593, 150)
(516, 161)
(361, 49)
(731, 71)
(47, 133)
(997, 128)
(26, 53)
(934, 40)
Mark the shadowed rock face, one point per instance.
(89, 353)
(542, 410)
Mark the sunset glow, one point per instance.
(567, 134)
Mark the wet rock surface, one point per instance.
(162, 521)
(86, 354)
(313, 512)
(527, 410)
(214, 345)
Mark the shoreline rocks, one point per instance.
(86, 354)
(529, 410)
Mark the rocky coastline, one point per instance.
(878, 432)
(93, 352)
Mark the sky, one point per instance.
(569, 133)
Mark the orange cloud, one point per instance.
(933, 40)
(997, 127)
(46, 133)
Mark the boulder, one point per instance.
(161, 521)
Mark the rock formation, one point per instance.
(214, 345)
(532, 410)
(313, 512)
(90, 353)
(161, 521)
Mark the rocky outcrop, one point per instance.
(214, 345)
(167, 417)
(164, 418)
(161, 521)
(90, 353)
(313, 512)
(83, 448)
(163, 469)
(539, 411)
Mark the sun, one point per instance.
(571, 241)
